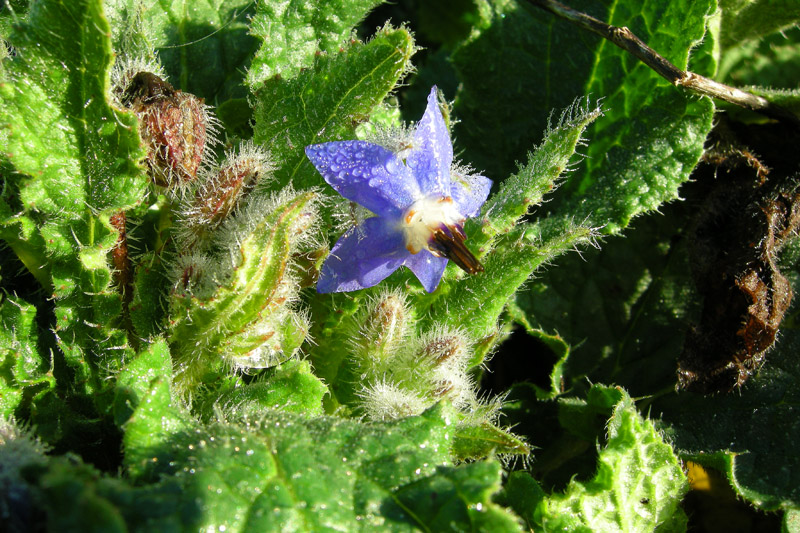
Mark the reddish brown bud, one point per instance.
(174, 128)
(218, 198)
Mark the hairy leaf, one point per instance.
(77, 156)
(292, 32)
(265, 475)
(743, 20)
(240, 315)
(22, 369)
(205, 47)
(638, 483)
(327, 101)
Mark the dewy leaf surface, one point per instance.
(290, 387)
(650, 136)
(77, 159)
(327, 101)
(292, 32)
(284, 472)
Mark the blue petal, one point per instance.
(367, 174)
(427, 267)
(363, 257)
(470, 193)
(432, 154)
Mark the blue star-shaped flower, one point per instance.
(420, 202)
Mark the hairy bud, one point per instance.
(221, 192)
(176, 128)
(381, 332)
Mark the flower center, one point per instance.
(435, 224)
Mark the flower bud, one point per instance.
(381, 332)
(222, 192)
(175, 126)
(444, 348)
(384, 400)
(241, 313)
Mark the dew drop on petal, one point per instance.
(391, 166)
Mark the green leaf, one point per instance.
(290, 387)
(135, 378)
(62, 493)
(791, 520)
(637, 486)
(626, 305)
(650, 136)
(204, 47)
(743, 20)
(77, 155)
(510, 254)
(631, 324)
(21, 235)
(475, 302)
(148, 307)
(326, 102)
(546, 164)
(54, 96)
(266, 475)
(459, 502)
(477, 440)
(770, 62)
(23, 371)
(292, 32)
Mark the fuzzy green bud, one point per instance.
(381, 332)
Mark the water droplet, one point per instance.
(391, 166)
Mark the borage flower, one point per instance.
(421, 201)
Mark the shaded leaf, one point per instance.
(23, 371)
(204, 47)
(743, 20)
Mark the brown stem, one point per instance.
(123, 270)
(629, 42)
